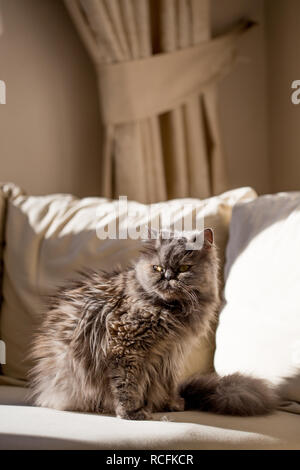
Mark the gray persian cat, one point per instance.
(116, 342)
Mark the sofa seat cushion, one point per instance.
(28, 427)
(14, 395)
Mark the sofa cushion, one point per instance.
(49, 238)
(25, 427)
(12, 395)
(259, 328)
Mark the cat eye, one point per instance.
(183, 268)
(157, 268)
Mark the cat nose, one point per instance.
(168, 274)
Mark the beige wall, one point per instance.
(243, 103)
(49, 128)
(283, 23)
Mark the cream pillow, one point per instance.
(259, 328)
(49, 238)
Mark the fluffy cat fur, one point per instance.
(116, 342)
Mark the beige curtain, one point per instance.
(157, 70)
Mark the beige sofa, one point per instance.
(43, 241)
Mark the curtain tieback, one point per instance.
(137, 89)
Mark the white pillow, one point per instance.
(49, 238)
(259, 328)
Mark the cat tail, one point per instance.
(234, 394)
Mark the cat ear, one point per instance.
(151, 240)
(198, 240)
(166, 234)
(160, 236)
(153, 233)
(208, 237)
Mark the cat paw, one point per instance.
(177, 404)
(140, 415)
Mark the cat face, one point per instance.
(170, 271)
